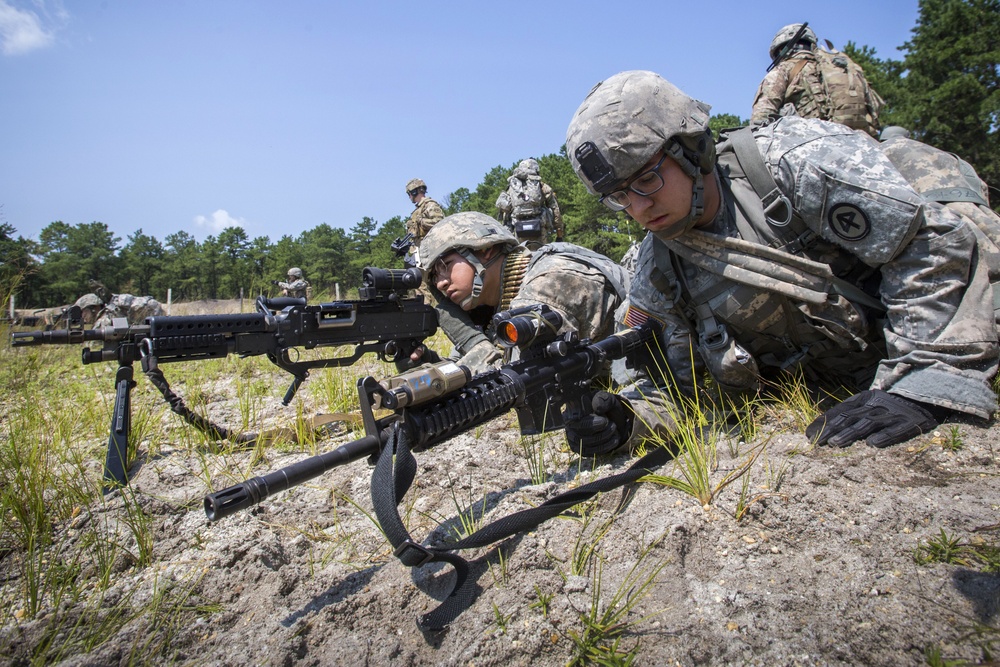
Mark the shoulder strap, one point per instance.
(392, 477)
(772, 199)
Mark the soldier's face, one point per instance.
(453, 277)
(663, 209)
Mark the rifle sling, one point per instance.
(392, 477)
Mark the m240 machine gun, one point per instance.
(384, 320)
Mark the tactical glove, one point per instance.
(878, 418)
(604, 430)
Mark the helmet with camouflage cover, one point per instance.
(628, 119)
(415, 184)
(89, 301)
(786, 34)
(465, 233)
(526, 168)
(893, 131)
(295, 272)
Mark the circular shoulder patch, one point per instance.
(848, 222)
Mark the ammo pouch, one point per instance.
(731, 366)
(528, 229)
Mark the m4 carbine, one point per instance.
(384, 320)
(550, 382)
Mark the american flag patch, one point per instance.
(637, 316)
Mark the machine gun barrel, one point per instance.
(537, 388)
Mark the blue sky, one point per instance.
(196, 115)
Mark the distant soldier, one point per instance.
(426, 213)
(297, 286)
(529, 208)
(807, 81)
(133, 308)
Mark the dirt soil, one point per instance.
(820, 570)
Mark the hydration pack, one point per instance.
(527, 199)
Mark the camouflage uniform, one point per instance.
(426, 213)
(583, 286)
(796, 85)
(133, 308)
(950, 181)
(297, 288)
(855, 223)
(514, 209)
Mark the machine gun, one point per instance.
(385, 321)
(551, 380)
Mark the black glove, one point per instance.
(878, 418)
(274, 282)
(602, 431)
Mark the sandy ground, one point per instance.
(819, 570)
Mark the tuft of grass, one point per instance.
(951, 550)
(605, 623)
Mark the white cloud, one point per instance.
(218, 221)
(21, 30)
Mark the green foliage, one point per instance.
(725, 121)
(945, 89)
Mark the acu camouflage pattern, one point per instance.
(631, 116)
(528, 199)
(950, 181)
(571, 280)
(818, 84)
(133, 308)
(934, 341)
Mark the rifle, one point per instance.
(385, 321)
(546, 386)
(401, 248)
(787, 48)
(402, 245)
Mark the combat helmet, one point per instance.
(628, 119)
(414, 184)
(526, 168)
(89, 301)
(893, 131)
(295, 272)
(786, 34)
(464, 233)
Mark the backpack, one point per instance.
(839, 91)
(527, 198)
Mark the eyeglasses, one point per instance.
(440, 269)
(645, 184)
(412, 193)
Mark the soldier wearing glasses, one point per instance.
(840, 274)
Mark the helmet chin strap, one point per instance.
(697, 210)
(472, 300)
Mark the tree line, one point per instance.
(944, 90)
